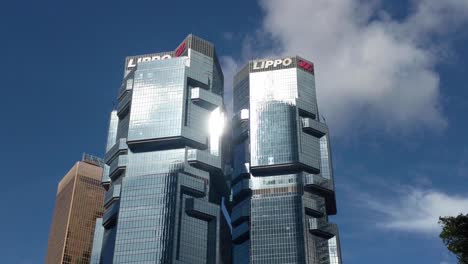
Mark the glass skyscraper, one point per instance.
(282, 179)
(165, 161)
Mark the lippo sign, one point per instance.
(180, 49)
(271, 64)
(309, 67)
(284, 63)
(132, 62)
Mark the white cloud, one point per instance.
(369, 66)
(416, 209)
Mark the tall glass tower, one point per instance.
(165, 161)
(282, 185)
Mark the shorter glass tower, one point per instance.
(79, 202)
(282, 185)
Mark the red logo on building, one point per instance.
(306, 66)
(180, 50)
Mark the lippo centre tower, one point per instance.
(282, 185)
(165, 162)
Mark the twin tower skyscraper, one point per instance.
(184, 185)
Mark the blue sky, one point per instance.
(391, 80)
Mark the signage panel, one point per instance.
(271, 64)
(132, 62)
(281, 63)
(180, 50)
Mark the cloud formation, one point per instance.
(416, 209)
(372, 70)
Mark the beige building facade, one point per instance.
(78, 203)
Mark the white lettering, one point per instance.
(268, 63)
(277, 62)
(131, 62)
(255, 66)
(259, 65)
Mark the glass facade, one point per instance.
(78, 204)
(165, 161)
(282, 180)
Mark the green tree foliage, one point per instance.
(455, 235)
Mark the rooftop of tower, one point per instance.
(190, 42)
(274, 63)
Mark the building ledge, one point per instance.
(118, 166)
(241, 189)
(306, 109)
(124, 103)
(113, 194)
(313, 127)
(120, 147)
(312, 207)
(240, 172)
(321, 228)
(240, 213)
(201, 209)
(205, 99)
(110, 215)
(240, 233)
(204, 160)
(105, 179)
(294, 167)
(323, 187)
(195, 186)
